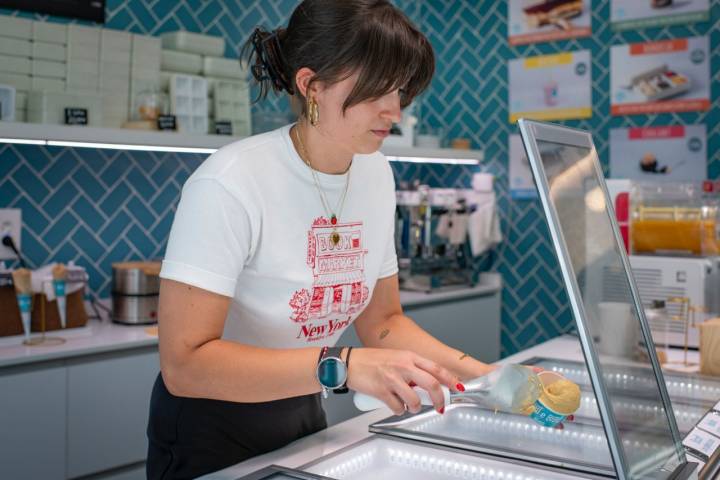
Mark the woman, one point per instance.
(282, 241)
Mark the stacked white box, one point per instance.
(194, 43)
(115, 65)
(231, 103)
(223, 67)
(144, 66)
(181, 62)
(15, 47)
(15, 27)
(49, 51)
(188, 100)
(49, 32)
(49, 107)
(83, 59)
(21, 106)
(18, 65)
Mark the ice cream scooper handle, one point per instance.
(365, 403)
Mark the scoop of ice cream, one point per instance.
(562, 396)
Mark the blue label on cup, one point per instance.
(546, 416)
(23, 302)
(59, 288)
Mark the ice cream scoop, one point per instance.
(510, 388)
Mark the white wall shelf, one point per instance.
(128, 139)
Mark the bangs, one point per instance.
(395, 55)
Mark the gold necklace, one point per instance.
(334, 236)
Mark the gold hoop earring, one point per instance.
(313, 111)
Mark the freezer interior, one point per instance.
(683, 388)
(582, 444)
(387, 458)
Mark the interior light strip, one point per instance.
(451, 161)
(121, 146)
(163, 148)
(23, 141)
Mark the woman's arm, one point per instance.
(196, 362)
(383, 325)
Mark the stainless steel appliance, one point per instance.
(429, 260)
(135, 292)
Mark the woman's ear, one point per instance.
(303, 79)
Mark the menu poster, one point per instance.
(522, 185)
(673, 153)
(533, 21)
(551, 87)
(660, 77)
(635, 14)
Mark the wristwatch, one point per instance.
(332, 371)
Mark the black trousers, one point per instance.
(190, 437)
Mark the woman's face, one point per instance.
(362, 127)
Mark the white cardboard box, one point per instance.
(20, 65)
(49, 32)
(49, 51)
(48, 68)
(47, 84)
(16, 27)
(15, 47)
(20, 82)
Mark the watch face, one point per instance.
(331, 373)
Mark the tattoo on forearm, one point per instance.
(384, 333)
(464, 356)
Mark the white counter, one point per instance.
(105, 336)
(339, 436)
(95, 337)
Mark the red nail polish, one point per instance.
(571, 418)
(559, 426)
(442, 411)
(460, 387)
(412, 384)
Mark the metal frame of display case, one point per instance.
(268, 472)
(560, 469)
(530, 131)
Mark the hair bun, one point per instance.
(267, 62)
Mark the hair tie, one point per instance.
(269, 60)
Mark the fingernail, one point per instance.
(559, 426)
(571, 418)
(442, 411)
(412, 384)
(460, 387)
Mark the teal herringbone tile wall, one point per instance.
(469, 97)
(101, 206)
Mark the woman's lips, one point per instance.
(381, 133)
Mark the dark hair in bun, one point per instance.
(337, 38)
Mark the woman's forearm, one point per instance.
(401, 332)
(225, 370)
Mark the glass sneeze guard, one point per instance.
(586, 238)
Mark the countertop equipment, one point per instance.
(429, 261)
(135, 292)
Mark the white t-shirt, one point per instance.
(250, 225)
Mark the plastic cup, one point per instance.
(543, 414)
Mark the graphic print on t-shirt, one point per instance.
(338, 290)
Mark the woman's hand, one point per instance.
(389, 375)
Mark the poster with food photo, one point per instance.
(522, 184)
(551, 87)
(635, 14)
(534, 21)
(660, 77)
(676, 153)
